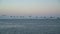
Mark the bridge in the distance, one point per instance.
(27, 17)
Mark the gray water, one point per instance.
(29, 26)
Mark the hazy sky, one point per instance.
(30, 7)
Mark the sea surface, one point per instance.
(29, 26)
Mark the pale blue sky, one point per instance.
(30, 7)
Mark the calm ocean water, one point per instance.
(29, 26)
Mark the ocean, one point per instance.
(29, 26)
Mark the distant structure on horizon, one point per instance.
(27, 17)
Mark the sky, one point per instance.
(30, 7)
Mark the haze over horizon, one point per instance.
(30, 7)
